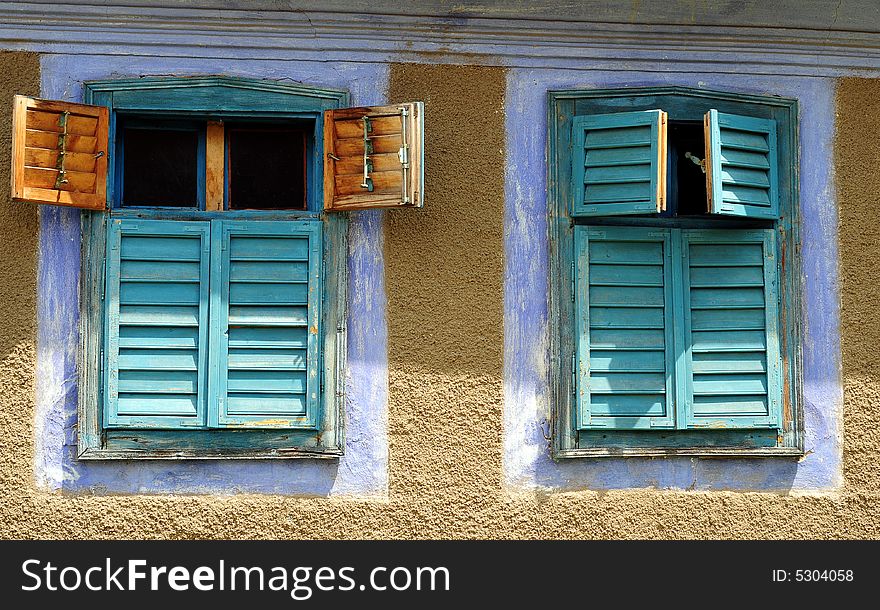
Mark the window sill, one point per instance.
(660, 452)
(209, 454)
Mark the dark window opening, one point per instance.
(160, 167)
(267, 166)
(686, 179)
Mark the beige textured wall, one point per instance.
(19, 73)
(444, 281)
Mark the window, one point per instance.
(213, 278)
(674, 305)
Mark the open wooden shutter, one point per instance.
(374, 157)
(59, 153)
(741, 165)
(624, 311)
(619, 163)
(733, 362)
(266, 298)
(156, 339)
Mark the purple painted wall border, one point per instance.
(527, 462)
(363, 469)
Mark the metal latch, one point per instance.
(368, 150)
(62, 148)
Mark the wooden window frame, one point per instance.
(681, 103)
(213, 98)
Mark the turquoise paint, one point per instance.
(729, 349)
(281, 241)
(626, 355)
(745, 180)
(638, 338)
(139, 372)
(615, 163)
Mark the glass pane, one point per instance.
(160, 167)
(267, 167)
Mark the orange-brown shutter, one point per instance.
(374, 157)
(59, 153)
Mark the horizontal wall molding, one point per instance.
(180, 30)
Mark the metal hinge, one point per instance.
(573, 283)
(104, 279)
(403, 157)
(574, 375)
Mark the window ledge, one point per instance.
(207, 454)
(703, 452)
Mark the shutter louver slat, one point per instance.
(741, 167)
(733, 358)
(157, 316)
(59, 153)
(619, 163)
(624, 308)
(267, 298)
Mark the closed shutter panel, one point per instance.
(59, 153)
(156, 323)
(619, 163)
(267, 295)
(731, 328)
(624, 328)
(741, 165)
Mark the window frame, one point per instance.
(681, 103)
(212, 98)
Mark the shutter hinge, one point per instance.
(102, 366)
(104, 279)
(574, 375)
(573, 283)
(403, 157)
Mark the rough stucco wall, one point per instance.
(858, 155)
(19, 73)
(444, 282)
(444, 287)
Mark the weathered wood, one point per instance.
(215, 163)
(51, 159)
(380, 146)
(60, 152)
(52, 121)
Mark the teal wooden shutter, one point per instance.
(619, 163)
(741, 165)
(266, 292)
(733, 361)
(624, 313)
(156, 323)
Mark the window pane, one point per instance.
(267, 167)
(160, 167)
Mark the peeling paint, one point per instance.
(527, 463)
(363, 469)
